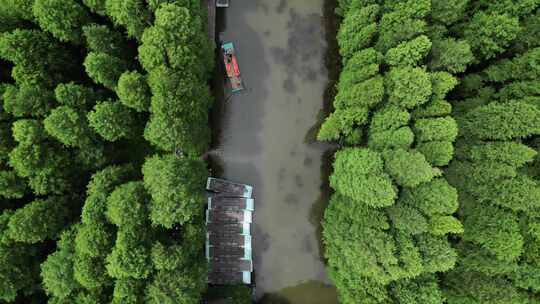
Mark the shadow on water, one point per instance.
(311, 292)
(316, 215)
(332, 61)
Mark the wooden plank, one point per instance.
(226, 252)
(225, 227)
(229, 188)
(230, 265)
(224, 202)
(226, 216)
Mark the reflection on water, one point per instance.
(311, 292)
(266, 138)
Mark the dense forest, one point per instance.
(104, 118)
(436, 185)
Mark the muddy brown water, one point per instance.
(266, 138)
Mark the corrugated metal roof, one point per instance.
(228, 242)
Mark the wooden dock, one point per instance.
(228, 238)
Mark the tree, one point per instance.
(497, 121)
(342, 122)
(392, 139)
(520, 193)
(389, 118)
(490, 34)
(96, 6)
(101, 39)
(358, 174)
(424, 289)
(39, 220)
(19, 270)
(19, 8)
(11, 185)
(129, 291)
(179, 112)
(132, 14)
(408, 168)
(450, 55)
(130, 257)
(435, 108)
(448, 12)
(511, 153)
(408, 87)
(75, 96)
(437, 153)
(409, 53)
(94, 239)
(361, 66)
(442, 225)
(133, 91)
(126, 206)
(518, 68)
(104, 69)
(398, 26)
(180, 286)
(494, 229)
(357, 30)
(112, 121)
(63, 19)
(435, 129)
(175, 186)
(437, 253)
(27, 100)
(366, 94)
(407, 219)
(57, 270)
(432, 198)
(47, 166)
(37, 57)
(7, 140)
(28, 131)
(469, 286)
(176, 26)
(68, 126)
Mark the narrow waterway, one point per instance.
(266, 138)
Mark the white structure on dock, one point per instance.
(222, 3)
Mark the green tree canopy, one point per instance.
(134, 91)
(497, 121)
(175, 186)
(490, 34)
(63, 19)
(132, 14)
(358, 174)
(68, 126)
(39, 220)
(104, 69)
(408, 87)
(57, 270)
(113, 121)
(408, 168)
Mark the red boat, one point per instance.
(231, 66)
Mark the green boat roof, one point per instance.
(227, 45)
